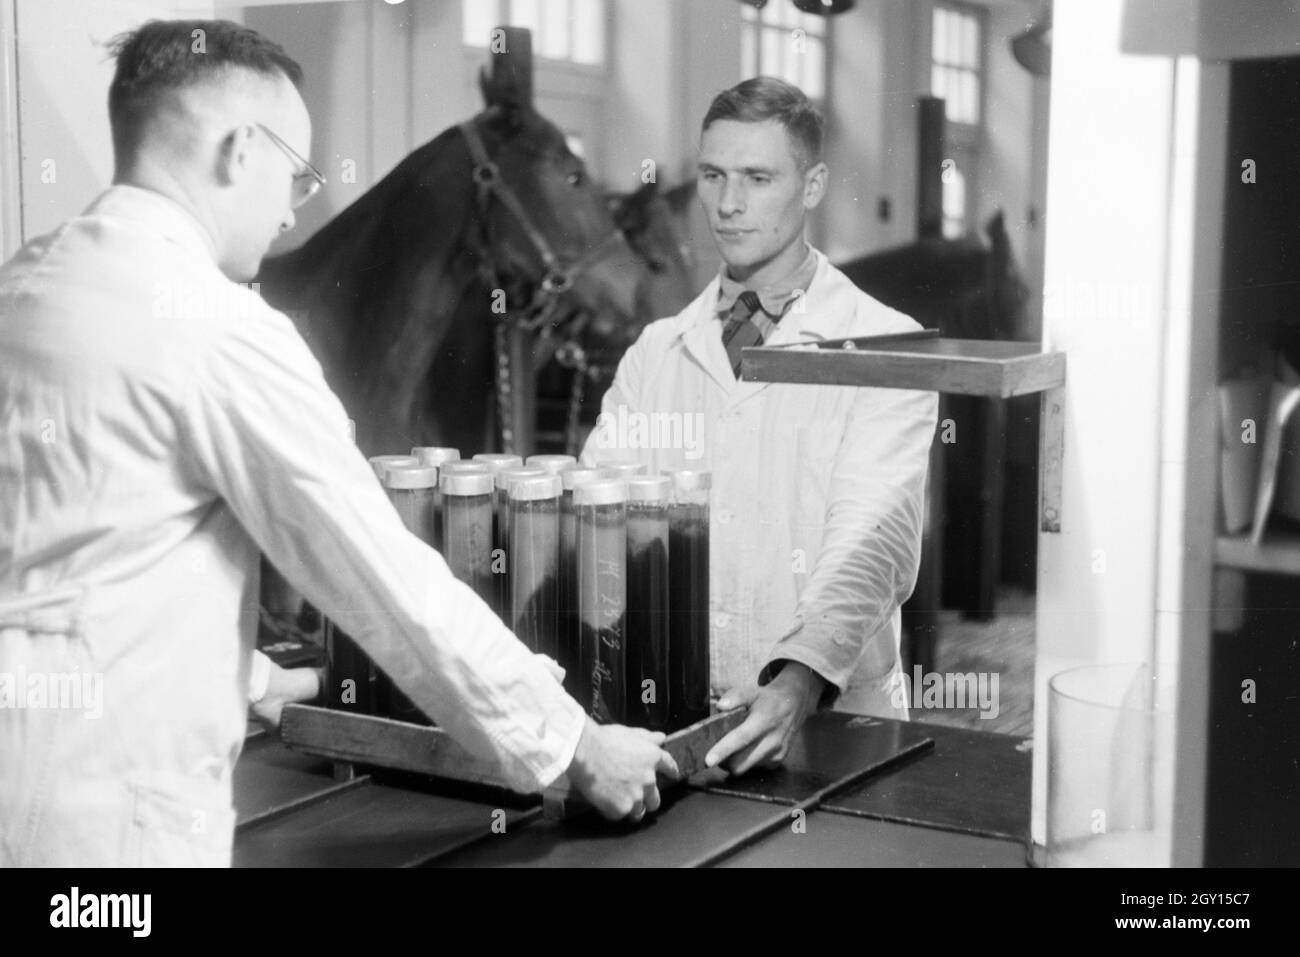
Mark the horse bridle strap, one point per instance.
(557, 278)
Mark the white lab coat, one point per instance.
(158, 426)
(816, 506)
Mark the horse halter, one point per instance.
(558, 278)
(556, 281)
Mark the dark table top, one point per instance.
(932, 796)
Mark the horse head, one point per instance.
(648, 218)
(544, 228)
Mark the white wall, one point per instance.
(1108, 298)
(63, 73)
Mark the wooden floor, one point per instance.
(1005, 647)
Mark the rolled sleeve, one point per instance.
(268, 436)
(871, 546)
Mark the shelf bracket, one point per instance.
(1051, 452)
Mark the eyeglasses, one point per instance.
(307, 181)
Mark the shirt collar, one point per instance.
(155, 210)
(774, 297)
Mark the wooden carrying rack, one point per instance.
(350, 739)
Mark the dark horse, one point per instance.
(959, 286)
(410, 296)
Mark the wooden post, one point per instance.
(931, 123)
(513, 65)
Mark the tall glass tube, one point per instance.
(502, 562)
(496, 461)
(411, 489)
(601, 509)
(570, 635)
(646, 633)
(436, 456)
(467, 528)
(688, 620)
(534, 522)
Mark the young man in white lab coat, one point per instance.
(161, 425)
(817, 490)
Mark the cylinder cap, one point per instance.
(691, 480)
(532, 488)
(499, 460)
(397, 475)
(377, 463)
(505, 477)
(462, 467)
(572, 478)
(623, 469)
(601, 492)
(552, 463)
(466, 483)
(435, 454)
(648, 488)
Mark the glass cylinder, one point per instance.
(688, 618)
(646, 631)
(378, 463)
(555, 464)
(496, 461)
(467, 528)
(350, 675)
(502, 560)
(413, 491)
(601, 510)
(534, 522)
(1110, 767)
(570, 635)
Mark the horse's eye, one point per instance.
(575, 178)
(658, 266)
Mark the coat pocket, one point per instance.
(179, 824)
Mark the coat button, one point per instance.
(721, 620)
(724, 517)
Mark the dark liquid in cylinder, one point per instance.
(534, 584)
(602, 601)
(646, 629)
(568, 640)
(688, 619)
(467, 528)
(420, 513)
(350, 675)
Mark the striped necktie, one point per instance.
(739, 332)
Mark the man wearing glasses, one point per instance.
(160, 425)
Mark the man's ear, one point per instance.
(814, 185)
(234, 155)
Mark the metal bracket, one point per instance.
(1051, 453)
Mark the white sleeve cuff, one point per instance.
(259, 677)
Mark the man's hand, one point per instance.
(776, 712)
(615, 767)
(286, 685)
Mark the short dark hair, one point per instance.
(167, 55)
(770, 98)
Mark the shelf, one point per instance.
(961, 366)
(1278, 554)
